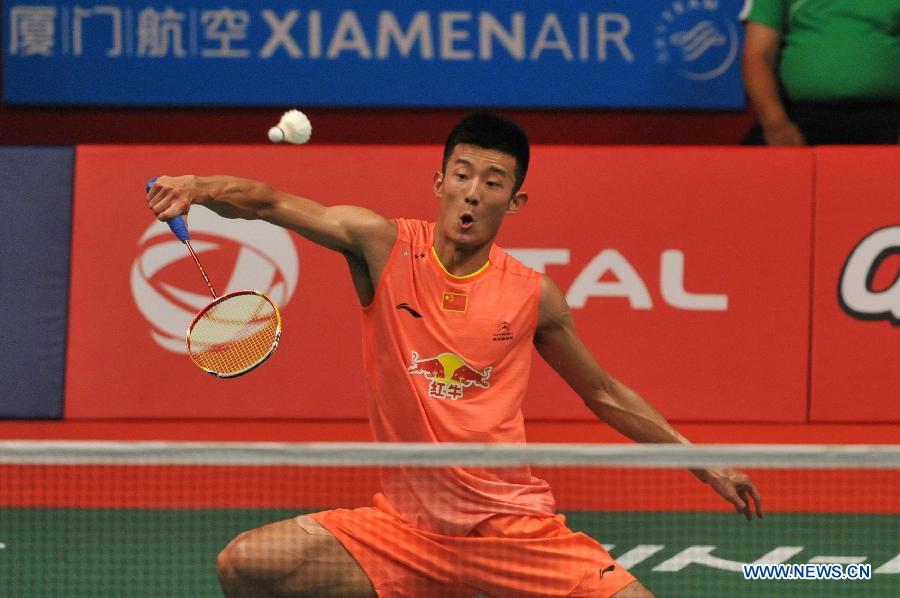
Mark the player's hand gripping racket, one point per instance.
(235, 333)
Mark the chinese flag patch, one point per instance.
(454, 302)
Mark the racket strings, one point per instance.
(234, 334)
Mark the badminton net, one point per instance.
(148, 518)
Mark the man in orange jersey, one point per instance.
(431, 293)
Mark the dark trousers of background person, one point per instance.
(846, 123)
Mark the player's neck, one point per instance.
(461, 261)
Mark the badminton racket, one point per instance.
(234, 333)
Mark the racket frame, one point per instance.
(215, 302)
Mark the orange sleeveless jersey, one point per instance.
(448, 360)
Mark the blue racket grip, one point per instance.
(176, 224)
(179, 228)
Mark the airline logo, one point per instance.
(698, 37)
(266, 260)
(449, 375)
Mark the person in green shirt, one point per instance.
(822, 71)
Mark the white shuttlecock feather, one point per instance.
(294, 126)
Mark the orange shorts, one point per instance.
(506, 555)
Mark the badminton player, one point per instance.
(449, 321)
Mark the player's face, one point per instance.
(476, 192)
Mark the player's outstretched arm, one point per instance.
(616, 404)
(349, 229)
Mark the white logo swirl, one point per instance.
(267, 261)
(706, 42)
(697, 41)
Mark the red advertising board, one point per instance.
(687, 270)
(856, 304)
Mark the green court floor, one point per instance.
(170, 553)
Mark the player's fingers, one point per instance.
(170, 212)
(757, 499)
(161, 189)
(153, 197)
(154, 190)
(729, 494)
(745, 497)
(158, 191)
(161, 203)
(157, 201)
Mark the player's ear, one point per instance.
(438, 182)
(517, 202)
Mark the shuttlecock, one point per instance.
(294, 127)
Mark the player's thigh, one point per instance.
(633, 590)
(282, 548)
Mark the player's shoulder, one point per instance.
(503, 260)
(417, 232)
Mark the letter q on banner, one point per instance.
(857, 293)
(267, 261)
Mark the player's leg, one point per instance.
(295, 557)
(633, 590)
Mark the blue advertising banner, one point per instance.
(375, 53)
(35, 238)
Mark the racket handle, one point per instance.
(176, 224)
(179, 228)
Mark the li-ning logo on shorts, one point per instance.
(266, 261)
(448, 375)
(861, 291)
(609, 569)
(696, 37)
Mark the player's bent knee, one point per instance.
(223, 563)
(253, 556)
(224, 570)
(289, 557)
(230, 579)
(237, 560)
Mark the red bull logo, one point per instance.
(448, 375)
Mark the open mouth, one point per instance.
(466, 220)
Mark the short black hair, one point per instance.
(491, 131)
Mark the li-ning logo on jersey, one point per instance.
(266, 261)
(411, 311)
(697, 37)
(861, 292)
(448, 375)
